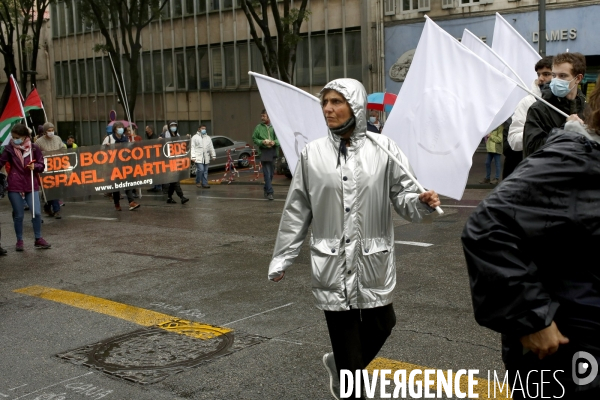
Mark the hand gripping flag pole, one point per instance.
(371, 136)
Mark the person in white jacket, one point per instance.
(202, 152)
(543, 68)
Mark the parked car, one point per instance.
(240, 152)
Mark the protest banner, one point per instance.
(98, 169)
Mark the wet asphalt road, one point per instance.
(207, 261)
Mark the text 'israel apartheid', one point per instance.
(108, 168)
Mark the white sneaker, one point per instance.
(334, 379)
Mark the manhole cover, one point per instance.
(152, 354)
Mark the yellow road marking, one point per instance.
(481, 388)
(133, 314)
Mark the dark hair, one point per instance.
(593, 118)
(20, 130)
(118, 124)
(545, 62)
(263, 112)
(577, 60)
(71, 137)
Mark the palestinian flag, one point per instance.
(11, 109)
(33, 102)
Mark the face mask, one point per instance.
(372, 119)
(173, 129)
(18, 141)
(50, 134)
(203, 131)
(560, 87)
(120, 131)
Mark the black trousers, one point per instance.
(511, 160)
(175, 187)
(557, 384)
(358, 335)
(117, 196)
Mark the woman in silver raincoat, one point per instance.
(345, 185)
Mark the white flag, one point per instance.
(448, 101)
(295, 114)
(484, 51)
(515, 50)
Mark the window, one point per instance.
(319, 61)
(177, 8)
(70, 20)
(217, 68)
(336, 56)
(353, 55)
(192, 71)
(54, 19)
(83, 80)
(91, 80)
(58, 78)
(165, 13)
(230, 75)
(62, 27)
(303, 62)
(108, 76)
(189, 7)
(66, 77)
(200, 6)
(157, 65)
(243, 62)
(180, 65)
(474, 2)
(256, 62)
(447, 3)
(74, 77)
(147, 72)
(168, 68)
(415, 5)
(99, 74)
(204, 69)
(390, 7)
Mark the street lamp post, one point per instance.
(542, 28)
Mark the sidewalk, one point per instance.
(248, 177)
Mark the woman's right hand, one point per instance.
(574, 117)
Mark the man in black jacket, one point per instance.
(531, 250)
(568, 70)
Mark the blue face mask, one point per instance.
(18, 142)
(560, 87)
(173, 129)
(120, 131)
(372, 119)
(203, 131)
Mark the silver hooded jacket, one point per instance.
(350, 208)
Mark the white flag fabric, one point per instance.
(295, 114)
(514, 49)
(448, 101)
(484, 51)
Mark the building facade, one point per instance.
(570, 26)
(194, 65)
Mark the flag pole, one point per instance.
(32, 198)
(410, 176)
(564, 114)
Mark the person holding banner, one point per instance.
(568, 70)
(343, 185)
(49, 142)
(26, 160)
(119, 136)
(174, 187)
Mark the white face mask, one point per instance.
(173, 129)
(50, 134)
